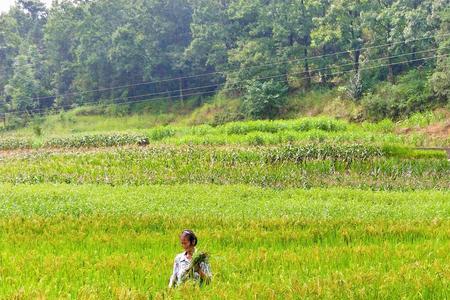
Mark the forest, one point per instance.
(82, 52)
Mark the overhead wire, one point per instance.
(112, 101)
(40, 98)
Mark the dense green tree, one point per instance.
(255, 52)
(165, 26)
(292, 27)
(387, 23)
(23, 88)
(60, 40)
(213, 36)
(10, 41)
(343, 26)
(87, 51)
(440, 81)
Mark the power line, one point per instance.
(262, 78)
(205, 93)
(268, 77)
(237, 68)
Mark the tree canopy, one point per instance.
(86, 51)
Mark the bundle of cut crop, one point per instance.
(198, 258)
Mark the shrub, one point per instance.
(345, 153)
(118, 110)
(355, 88)
(227, 116)
(15, 143)
(325, 124)
(96, 140)
(15, 122)
(37, 130)
(160, 133)
(264, 100)
(252, 126)
(93, 110)
(395, 101)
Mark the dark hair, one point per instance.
(190, 235)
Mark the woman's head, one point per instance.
(188, 239)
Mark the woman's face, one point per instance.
(185, 243)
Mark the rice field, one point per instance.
(103, 242)
(356, 214)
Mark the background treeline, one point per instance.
(116, 51)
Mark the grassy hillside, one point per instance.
(376, 112)
(428, 129)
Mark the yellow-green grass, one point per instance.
(102, 242)
(71, 123)
(119, 117)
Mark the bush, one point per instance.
(227, 116)
(160, 133)
(37, 130)
(355, 88)
(242, 128)
(345, 153)
(15, 122)
(118, 110)
(396, 101)
(97, 140)
(255, 139)
(325, 124)
(264, 100)
(94, 110)
(15, 143)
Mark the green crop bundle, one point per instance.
(198, 258)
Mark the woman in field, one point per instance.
(201, 271)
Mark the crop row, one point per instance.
(223, 203)
(308, 130)
(96, 140)
(278, 167)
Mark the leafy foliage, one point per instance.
(411, 94)
(440, 81)
(97, 140)
(96, 51)
(264, 100)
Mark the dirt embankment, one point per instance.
(438, 130)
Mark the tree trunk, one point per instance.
(413, 56)
(306, 67)
(391, 77)
(181, 91)
(356, 61)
